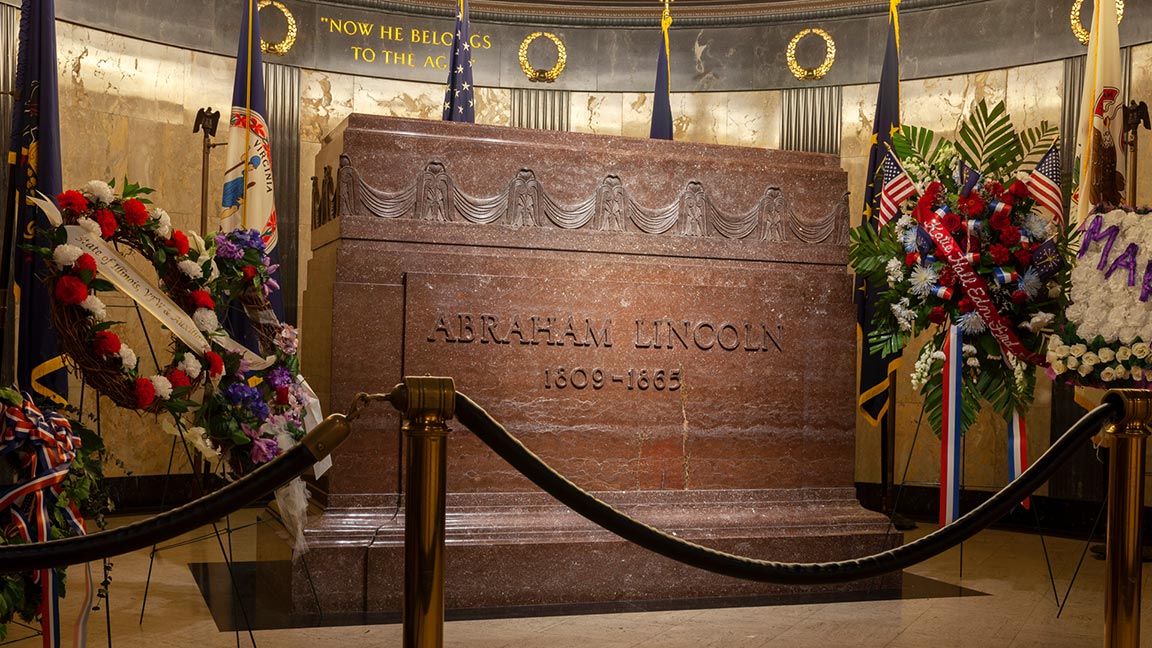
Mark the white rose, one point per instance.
(1140, 350)
(191, 268)
(164, 223)
(93, 305)
(1072, 362)
(1058, 367)
(1108, 375)
(1123, 354)
(1122, 373)
(1062, 350)
(99, 190)
(206, 320)
(89, 225)
(128, 357)
(1106, 354)
(66, 255)
(1084, 370)
(1089, 359)
(1137, 373)
(163, 387)
(1078, 350)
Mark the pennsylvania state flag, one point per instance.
(662, 101)
(875, 369)
(34, 166)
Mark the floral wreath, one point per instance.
(252, 406)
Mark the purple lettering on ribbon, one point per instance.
(1127, 259)
(1092, 234)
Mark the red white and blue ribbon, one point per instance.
(45, 446)
(1017, 449)
(950, 426)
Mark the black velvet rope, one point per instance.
(233, 496)
(522, 459)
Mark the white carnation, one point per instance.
(163, 222)
(66, 255)
(163, 387)
(190, 268)
(99, 190)
(190, 365)
(128, 357)
(93, 305)
(89, 225)
(206, 320)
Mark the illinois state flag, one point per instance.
(1099, 145)
(247, 201)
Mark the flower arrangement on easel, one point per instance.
(972, 249)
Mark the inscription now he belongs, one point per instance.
(393, 34)
(579, 331)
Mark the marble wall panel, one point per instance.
(1140, 89)
(397, 98)
(494, 106)
(325, 100)
(753, 119)
(596, 112)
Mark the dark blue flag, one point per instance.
(34, 166)
(460, 98)
(248, 200)
(876, 369)
(662, 101)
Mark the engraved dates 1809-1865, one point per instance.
(579, 378)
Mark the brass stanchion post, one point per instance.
(1122, 582)
(430, 402)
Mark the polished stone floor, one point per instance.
(1008, 602)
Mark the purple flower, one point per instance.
(226, 249)
(264, 450)
(241, 394)
(280, 377)
(249, 238)
(251, 433)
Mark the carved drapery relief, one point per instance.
(525, 202)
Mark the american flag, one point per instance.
(460, 99)
(897, 188)
(1044, 183)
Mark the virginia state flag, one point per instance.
(1099, 138)
(460, 98)
(248, 201)
(662, 101)
(34, 159)
(875, 369)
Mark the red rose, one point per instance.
(281, 395)
(1023, 258)
(107, 222)
(215, 363)
(947, 278)
(1010, 235)
(85, 262)
(178, 378)
(937, 316)
(105, 343)
(966, 305)
(72, 201)
(952, 222)
(1019, 297)
(249, 272)
(1000, 254)
(911, 258)
(179, 241)
(135, 212)
(1018, 190)
(994, 189)
(201, 299)
(145, 393)
(1000, 220)
(934, 189)
(70, 290)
